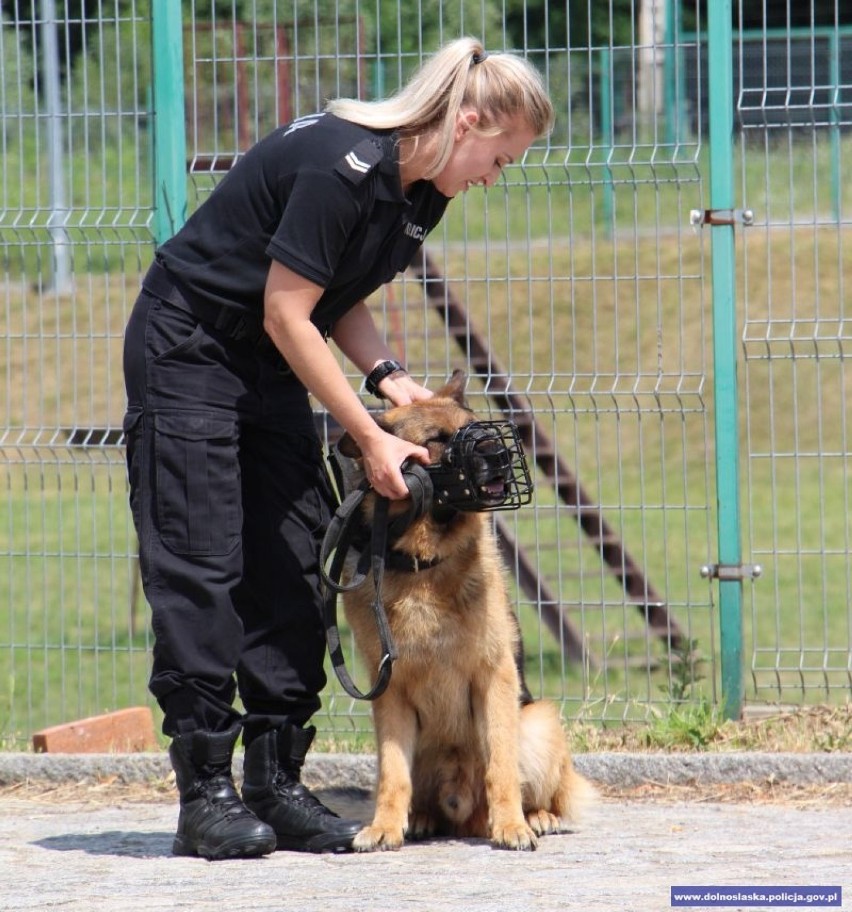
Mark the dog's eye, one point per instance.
(440, 439)
(437, 446)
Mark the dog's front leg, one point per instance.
(396, 731)
(496, 710)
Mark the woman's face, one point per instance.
(478, 159)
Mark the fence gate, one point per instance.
(794, 114)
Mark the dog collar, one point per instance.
(400, 560)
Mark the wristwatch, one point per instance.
(378, 373)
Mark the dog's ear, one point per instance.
(455, 387)
(347, 446)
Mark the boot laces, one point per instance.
(219, 791)
(298, 793)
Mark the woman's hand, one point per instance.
(383, 455)
(400, 389)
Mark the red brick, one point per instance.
(123, 731)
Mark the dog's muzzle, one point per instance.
(483, 468)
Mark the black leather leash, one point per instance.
(345, 533)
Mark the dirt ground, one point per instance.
(110, 792)
(101, 843)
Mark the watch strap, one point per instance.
(378, 373)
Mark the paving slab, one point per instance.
(625, 856)
(115, 855)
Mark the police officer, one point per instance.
(227, 484)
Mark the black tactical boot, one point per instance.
(213, 821)
(272, 789)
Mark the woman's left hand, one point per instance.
(401, 389)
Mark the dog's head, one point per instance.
(428, 423)
(475, 465)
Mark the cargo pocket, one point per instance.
(132, 427)
(198, 483)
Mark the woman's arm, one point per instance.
(356, 335)
(288, 303)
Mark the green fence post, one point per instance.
(608, 136)
(672, 77)
(836, 186)
(721, 110)
(169, 122)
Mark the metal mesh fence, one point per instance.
(796, 263)
(76, 201)
(575, 292)
(552, 290)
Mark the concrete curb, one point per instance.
(322, 771)
(357, 771)
(625, 769)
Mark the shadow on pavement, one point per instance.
(353, 803)
(116, 842)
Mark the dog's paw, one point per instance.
(422, 826)
(378, 839)
(518, 837)
(543, 823)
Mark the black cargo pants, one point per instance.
(230, 500)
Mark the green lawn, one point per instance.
(595, 295)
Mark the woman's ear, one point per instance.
(465, 119)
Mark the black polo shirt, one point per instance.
(322, 196)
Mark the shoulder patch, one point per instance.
(301, 122)
(360, 161)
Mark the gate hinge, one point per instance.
(731, 572)
(700, 217)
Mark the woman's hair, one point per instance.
(498, 87)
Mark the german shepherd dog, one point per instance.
(460, 753)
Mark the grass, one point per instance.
(683, 726)
(596, 300)
(813, 729)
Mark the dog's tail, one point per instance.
(574, 795)
(548, 776)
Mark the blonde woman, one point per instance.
(227, 485)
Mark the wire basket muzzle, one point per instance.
(483, 468)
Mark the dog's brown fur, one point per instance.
(458, 753)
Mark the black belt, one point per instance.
(239, 325)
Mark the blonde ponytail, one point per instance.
(498, 86)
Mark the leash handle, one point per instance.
(383, 674)
(337, 541)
